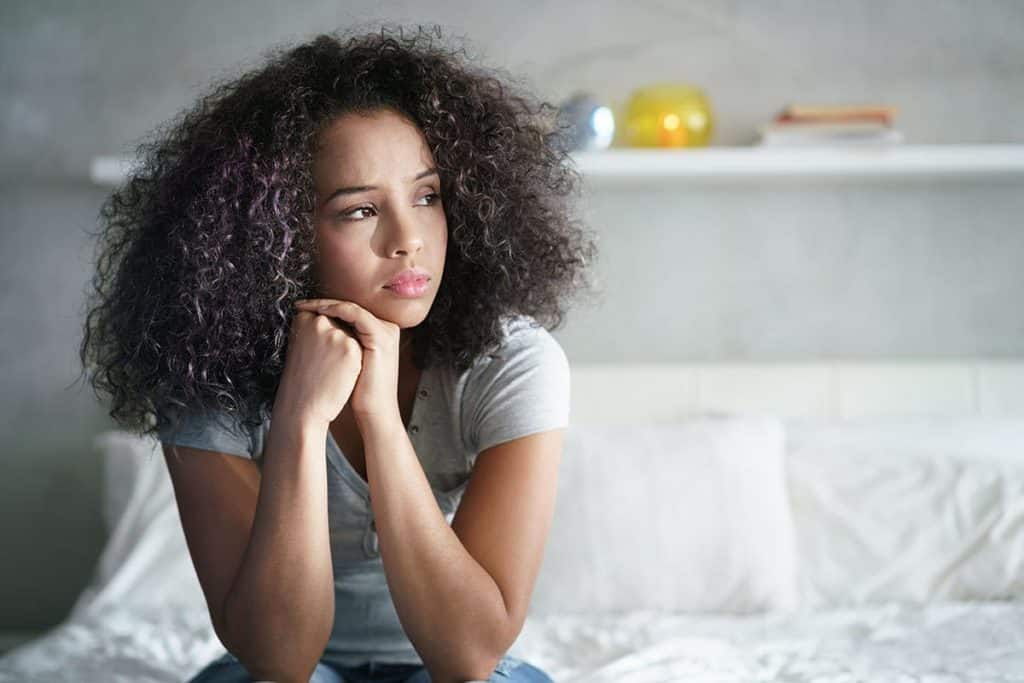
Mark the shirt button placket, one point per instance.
(370, 543)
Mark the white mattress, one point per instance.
(938, 643)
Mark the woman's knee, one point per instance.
(515, 669)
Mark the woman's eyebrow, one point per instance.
(363, 188)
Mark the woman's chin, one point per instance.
(405, 313)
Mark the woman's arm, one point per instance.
(449, 605)
(279, 612)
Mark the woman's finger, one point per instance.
(348, 311)
(342, 325)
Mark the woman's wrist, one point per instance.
(298, 413)
(387, 416)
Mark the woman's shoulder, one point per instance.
(520, 388)
(524, 347)
(212, 429)
(523, 335)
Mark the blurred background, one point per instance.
(920, 258)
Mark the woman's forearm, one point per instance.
(450, 607)
(280, 610)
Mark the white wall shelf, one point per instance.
(621, 165)
(618, 165)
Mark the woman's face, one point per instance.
(378, 212)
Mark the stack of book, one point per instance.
(799, 124)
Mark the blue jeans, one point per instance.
(227, 669)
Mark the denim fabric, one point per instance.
(227, 669)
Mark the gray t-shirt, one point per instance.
(521, 389)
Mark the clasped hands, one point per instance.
(375, 395)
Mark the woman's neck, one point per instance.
(404, 351)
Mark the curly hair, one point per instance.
(210, 240)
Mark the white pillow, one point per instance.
(912, 509)
(681, 517)
(684, 517)
(145, 561)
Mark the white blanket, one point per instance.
(956, 641)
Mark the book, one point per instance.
(839, 111)
(806, 124)
(783, 138)
(825, 127)
(886, 120)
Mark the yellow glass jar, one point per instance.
(667, 115)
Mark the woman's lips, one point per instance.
(409, 288)
(413, 273)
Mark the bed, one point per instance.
(819, 521)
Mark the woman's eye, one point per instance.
(433, 198)
(346, 214)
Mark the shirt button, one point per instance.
(423, 392)
(371, 544)
(415, 428)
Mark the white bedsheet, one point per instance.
(938, 643)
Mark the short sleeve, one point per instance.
(522, 389)
(212, 431)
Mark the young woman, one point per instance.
(323, 290)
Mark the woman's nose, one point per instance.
(405, 235)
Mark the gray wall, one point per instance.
(756, 271)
